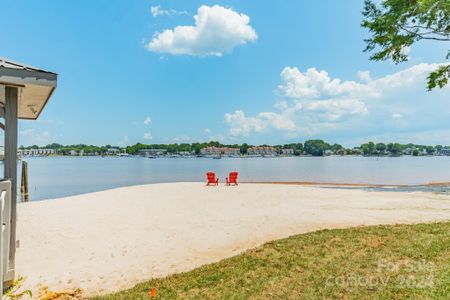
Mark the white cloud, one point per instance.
(147, 136)
(240, 125)
(27, 132)
(147, 121)
(207, 130)
(312, 102)
(364, 76)
(335, 109)
(32, 136)
(217, 30)
(182, 139)
(277, 121)
(158, 11)
(314, 84)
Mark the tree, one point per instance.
(371, 146)
(336, 147)
(397, 24)
(396, 148)
(316, 147)
(244, 148)
(365, 149)
(380, 147)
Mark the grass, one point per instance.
(376, 262)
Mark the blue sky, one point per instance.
(247, 71)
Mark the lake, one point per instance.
(54, 177)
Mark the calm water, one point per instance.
(63, 176)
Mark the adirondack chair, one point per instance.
(232, 179)
(211, 177)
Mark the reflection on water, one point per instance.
(53, 177)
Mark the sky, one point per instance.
(259, 72)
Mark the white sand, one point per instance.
(107, 241)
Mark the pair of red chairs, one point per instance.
(211, 178)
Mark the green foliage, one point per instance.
(371, 262)
(297, 147)
(381, 147)
(439, 77)
(316, 147)
(311, 147)
(244, 147)
(13, 294)
(398, 24)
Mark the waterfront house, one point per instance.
(356, 151)
(73, 153)
(263, 151)
(112, 151)
(327, 152)
(287, 152)
(408, 151)
(37, 152)
(340, 151)
(218, 151)
(151, 152)
(444, 151)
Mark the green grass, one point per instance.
(400, 262)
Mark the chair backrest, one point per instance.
(233, 175)
(211, 175)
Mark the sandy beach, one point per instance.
(110, 240)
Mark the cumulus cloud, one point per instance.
(217, 31)
(158, 11)
(147, 136)
(364, 76)
(240, 125)
(182, 139)
(312, 101)
(147, 121)
(32, 136)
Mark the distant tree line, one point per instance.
(314, 147)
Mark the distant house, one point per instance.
(340, 151)
(213, 151)
(408, 151)
(287, 152)
(356, 151)
(327, 152)
(38, 152)
(112, 151)
(151, 152)
(263, 151)
(444, 151)
(73, 153)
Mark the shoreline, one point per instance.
(299, 183)
(317, 183)
(107, 241)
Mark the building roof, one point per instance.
(8, 63)
(35, 86)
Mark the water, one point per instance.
(53, 177)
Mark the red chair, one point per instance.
(233, 178)
(211, 177)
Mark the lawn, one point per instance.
(376, 262)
